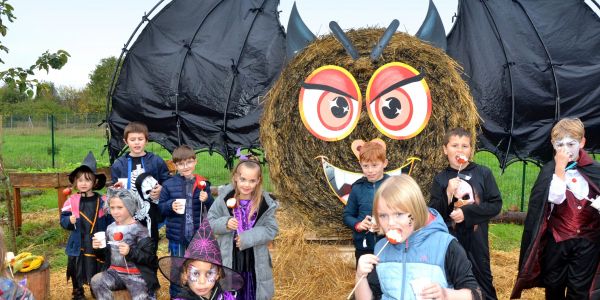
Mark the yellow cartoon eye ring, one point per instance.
(398, 100)
(330, 103)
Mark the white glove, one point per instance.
(596, 203)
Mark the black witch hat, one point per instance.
(89, 164)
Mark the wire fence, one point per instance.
(60, 142)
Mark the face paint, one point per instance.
(210, 276)
(570, 145)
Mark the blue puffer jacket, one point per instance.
(174, 188)
(359, 205)
(151, 163)
(423, 255)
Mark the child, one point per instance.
(183, 219)
(357, 213)
(83, 214)
(560, 244)
(129, 253)
(468, 217)
(244, 231)
(9, 289)
(425, 251)
(138, 161)
(200, 271)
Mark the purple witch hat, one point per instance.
(204, 247)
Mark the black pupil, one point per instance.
(340, 109)
(393, 108)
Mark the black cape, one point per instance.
(533, 242)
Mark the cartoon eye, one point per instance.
(398, 101)
(330, 102)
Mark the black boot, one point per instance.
(78, 294)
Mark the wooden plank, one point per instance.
(34, 180)
(17, 210)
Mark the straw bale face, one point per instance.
(292, 148)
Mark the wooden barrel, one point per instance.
(38, 281)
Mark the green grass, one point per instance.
(505, 237)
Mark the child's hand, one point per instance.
(561, 158)
(95, 243)
(433, 290)
(72, 219)
(123, 248)
(232, 224)
(365, 224)
(238, 242)
(365, 264)
(453, 184)
(203, 196)
(457, 215)
(177, 206)
(155, 193)
(118, 185)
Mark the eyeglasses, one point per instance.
(185, 164)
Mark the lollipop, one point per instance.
(461, 159)
(393, 237)
(202, 185)
(118, 236)
(66, 191)
(231, 203)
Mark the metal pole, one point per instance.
(52, 135)
(523, 186)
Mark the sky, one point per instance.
(93, 30)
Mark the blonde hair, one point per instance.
(572, 127)
(402, 193)
(256, 197)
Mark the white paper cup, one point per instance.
(101, 237)
(180, 211)
(418, 285)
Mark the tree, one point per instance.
(19, 76)
(97, 89)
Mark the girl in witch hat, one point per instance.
(200, 272)
(83, 215)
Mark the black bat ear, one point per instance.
(298, 34)
(432, 30)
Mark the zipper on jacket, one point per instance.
(404, 269)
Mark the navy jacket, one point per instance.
(151, 163)
(172, 189)
(359, 205)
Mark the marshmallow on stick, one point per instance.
(393, 237)
(202, 185)
(232, 203)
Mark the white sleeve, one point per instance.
(557, 190)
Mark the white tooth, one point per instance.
(343, 176)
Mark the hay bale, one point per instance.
(291, 150)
